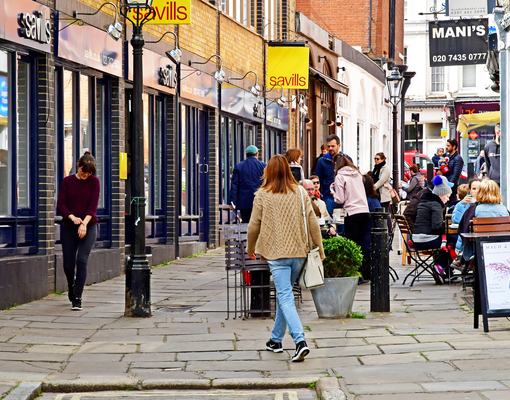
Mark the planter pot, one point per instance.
(335, 298)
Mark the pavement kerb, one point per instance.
(96, 385)
(24, 391)
(328, 388)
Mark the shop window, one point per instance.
(17, 143)
(82, 115)
(410, 138)
(437, 79)
(434, 131)
(469, 76)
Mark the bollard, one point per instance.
(471, 170)
(379, 262)
(430, 173)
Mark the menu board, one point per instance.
(496, 258)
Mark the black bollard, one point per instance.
(380, 262)
(471, 170)
(430, 173)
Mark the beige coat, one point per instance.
(277, 230)
(383, 184)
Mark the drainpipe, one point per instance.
(503, 84)
(370, 29)
(391, 44)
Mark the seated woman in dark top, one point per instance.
(429, 226)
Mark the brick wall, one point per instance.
(349, 21)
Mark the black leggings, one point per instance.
(356, 227)
(71, 245)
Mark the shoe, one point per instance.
(70, 293)
(456, 264)
(77, 305)
(439, 269)
(274, 347)
(437, 276)
(302, 351)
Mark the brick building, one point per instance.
(77, 81)
(366, 25)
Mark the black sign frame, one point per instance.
(481, 290)
(458, 42)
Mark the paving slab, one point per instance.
(385, 388)
(470, 386)
(497, 395)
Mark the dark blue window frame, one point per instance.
(23, 221)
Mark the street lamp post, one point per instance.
(138, 297)
(394, 83)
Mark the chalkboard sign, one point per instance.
(493, 276)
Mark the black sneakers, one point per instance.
(70, 293)
(77, 305)
(302, 351)
(274, 347)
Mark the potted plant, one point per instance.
(341, 276)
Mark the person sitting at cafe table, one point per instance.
(488, 204)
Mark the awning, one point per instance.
(332, 83)
(481, 119)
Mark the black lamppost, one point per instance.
(138, 272)
(394, 83)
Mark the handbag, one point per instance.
(395, 198)
(312, 273)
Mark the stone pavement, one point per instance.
(425, 348)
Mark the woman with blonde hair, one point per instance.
(293, 157)
(277, 232)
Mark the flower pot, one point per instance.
(335, 298)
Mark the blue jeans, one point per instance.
(285, 272)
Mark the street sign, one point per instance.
(164, 12)
(466, 8)
(473, 135)
(458, 42)
(444, 132)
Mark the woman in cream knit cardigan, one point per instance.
(277, 232)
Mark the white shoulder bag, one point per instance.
(312, 274)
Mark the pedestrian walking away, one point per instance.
(277, 233)
(492, 156)
(77, 203)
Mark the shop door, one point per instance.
(203, 168)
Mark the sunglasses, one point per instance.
(377, 158)
(315, 182)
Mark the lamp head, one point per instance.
(174, 55)
(394, 83)
(139, 3)
(219, 76)
(303, 109)
(308, 121)
(255, 90)
(329, 122)
(281, 101)
(339, 124)
(114, 30)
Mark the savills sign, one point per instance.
(35, 27)
(164, 12)
(288, 66)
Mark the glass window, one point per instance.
(100, 142)
(146, 147)
(68, 102)
(410, 138)
(5, 153)
(437, 79)
(158, 155)
(469, 76)
(23, 136)
(184, 120)
(85, 136)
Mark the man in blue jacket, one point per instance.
(246, 179)
(325, 170)
(455, 164)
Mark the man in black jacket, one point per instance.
(455, 164)
(492, 156)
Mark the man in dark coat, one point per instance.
(455, 164)
(492, 156)
(325, 170)
(246, 179)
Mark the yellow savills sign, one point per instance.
(166, 12)
(288, 66)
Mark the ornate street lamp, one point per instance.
(138, 272)
(394, 83)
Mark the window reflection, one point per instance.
(85, 136)
(158, 155)
(23, 136)
(100, 143)
(147, 177)
(5, 166)
(68, 123)
(184, 207)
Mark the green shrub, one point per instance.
(343, 257)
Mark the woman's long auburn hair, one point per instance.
(277, 176)
(341, 161)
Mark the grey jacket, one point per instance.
(492, 160)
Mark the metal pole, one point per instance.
(138, 299)
(379, 262)
(395, 148)
(417, 153)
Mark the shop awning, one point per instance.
(332, 83)
(469, 122)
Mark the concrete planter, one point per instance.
(335, 298)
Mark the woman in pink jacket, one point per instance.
(350, 191)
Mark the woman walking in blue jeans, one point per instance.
(77, 204)
(277, 232)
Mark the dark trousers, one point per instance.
(245, 214)
(76, 253)
(356, 227)
(443, 260)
